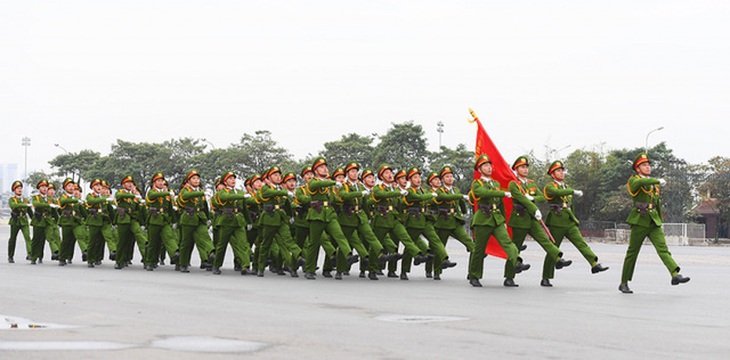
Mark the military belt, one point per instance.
(156, 211)
(489, 209)
(643, 207)
(270, 208)
(350, 209)
(557, 208)
(384, 210)
(317, 204)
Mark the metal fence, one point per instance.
(675, 233)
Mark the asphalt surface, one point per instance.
(88, 313)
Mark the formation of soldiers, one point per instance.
(280, 223)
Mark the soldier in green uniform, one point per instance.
(275, 223)
(111, 236)
(645, 219)
(127, 217)
(449, 206)
(159, 219)
(98, 221)
(488, 221)
(419, 223)
(19, 211)
(353, 196)
(525, 219)
(253, 206)
(323, 218)
(562, 222)
(232, 223)
(434, 182)
(40, 221)
(71, 221)
(301, 207)
(82, 237)
(194, 222)
(53, 234)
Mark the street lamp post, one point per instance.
(646, 142)
(66, 151)
(26, 143)
(440, 129)
(211, 144)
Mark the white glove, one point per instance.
(142, 201)
(662, 182)
(249, 227)
(466, 197)
(507, 194)
(144, 228)
(404, 192)
(208, 223)
(538, 215)
(174, 207)
(577, 193)
(434, 194)
(365, 192)
(54, 205)
(110, 199)
(139, 197)
(174, 226)
(291, 220)
(291, 194)
(338, 184)
(529, 197)
(246, 195)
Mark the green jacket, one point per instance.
(449, 207)
(488, 195)
(560, 198)
(301, 207)
(273, 201)
(352, 203)
(128, 207)
(19, 210)
(98, 210)
(41, 212)
(71, 211)
(320, 192)
(193, 207)
(230, 204)
(159, 207)
(647, 210)
(414, 208)
(524, 210)
(385, 205)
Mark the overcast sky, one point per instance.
(538, 73)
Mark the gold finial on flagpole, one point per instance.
(473, 115)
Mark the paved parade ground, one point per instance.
(74, 312)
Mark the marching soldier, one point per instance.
(434, 182)
(53, 234)
(525, 219)
(71, 221)
(98, 221)
(253, 206)
(489, 221)
(159, 219)
(82, 237)
(232, 224)
(418, 222)
(40, 221)
(450, 207)
(562, 223)
(323, 219)
(111, 236)
(645, 219)
(127, 217)
(194, 221)
(301, 208)
(19, 211)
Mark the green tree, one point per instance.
(584, 173)
(460, 159)
(402, 146)
(717, 186)
(74, 165)
(352, 147)
(256, 153)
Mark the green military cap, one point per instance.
(400, 173)
(95, 181)
(273, 170)
(557, 164)
(126, 178)
(317, 162)
(16, 183)
(352, 165)
(382, 168)
(481, 160)
(226, 175)
(288, 176)
(67, 181)
(366, 172)
(157, 175)
(105, 184)
(43, 182)
(307, 169)
(338, 171)
(640, 159)
(446, 170)
(217, 181)
(190, 174)
(522, 160)
(51, 186)
(412, 171)
(253, 178)
(432, 175)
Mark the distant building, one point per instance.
(8, 174)
(707, 213)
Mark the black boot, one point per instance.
(598, 268)
(184, 269)
(372, 276)
(392, 274)
(309, 276)
(403, 275)
(117, 266)
(246, 271)
(562, 263)
(679, 279)
(475, 283)
(338, 276)
(545, 283)
(437, 276)
(447, 264)
(419, 259)
(327, 274)
(216, 271)
(11, 260)
(353, 258)
(62, 263)
(362, 274)
(510, 283)
(521, 267)
(624, 288)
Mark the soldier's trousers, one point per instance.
(333, 229)
(282, 236)
(198, 235)
(656, 236)
(236, 236)
(574, 236)
(538, 234)
(37, 242)
(14, 230)
(159, 235)
(482, 234)
(140, 237)
(371, 247)
(97, 235)
(434, 246)
(53, 236)
(70, 235)
(398, 234)
(125, 243)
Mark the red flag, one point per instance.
(502, 173)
